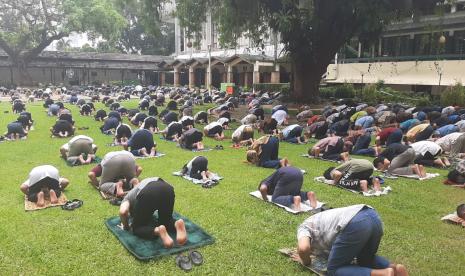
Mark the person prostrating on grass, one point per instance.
(141, 143)
(152, 194)
(398, 159)
(80, 150)
(264, 153)
(119, 173)
(355, 174)
(285, 187)
(44, 181)
(342, 235)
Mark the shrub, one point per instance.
(345, 91)
(454, 95)
(272, 87)
(370, 94)
(327, 92)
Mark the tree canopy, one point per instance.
(27, 27)
(312, 31)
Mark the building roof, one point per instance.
(99, 56)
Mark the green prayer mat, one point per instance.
(149, 249)
(96, 160)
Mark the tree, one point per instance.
(27, 27)
(312, 31)
(146, 32)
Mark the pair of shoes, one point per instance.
(207, 185)
(72, 204)
(186, 262)
(219, 147)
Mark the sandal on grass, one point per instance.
(72, 204)
(183, 262)
(196, 257)
(116, 201)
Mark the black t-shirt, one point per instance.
(140, 117)
(62, 126)
(115, 114)
(123, 130)
(142, 138)
(190, 137)
(170, 117)
(174, 128)
(101, 114)
(150, 122)
(66, 117)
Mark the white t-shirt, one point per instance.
(279, 116)
(223, 120)
(238, 132)
(211, 125)
(41, 172)
(288, 129)
(422, 147)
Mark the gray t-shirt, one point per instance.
(324, 227)
(355, 166)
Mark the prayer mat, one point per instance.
(149, 249)
(304, 206)
(317, 266)
(96, 160)
(384, 190)
(413, 176)
(157, 155)
(454, 219)
(216, 177)
(319, 158)
(32, 206)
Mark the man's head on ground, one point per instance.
(381, 163)
(327, 173)
(252, 157)
(461, 211)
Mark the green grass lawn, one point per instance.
(248, 232)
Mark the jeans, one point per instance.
(269, 156)
(362, 146)
(334, 152)
(360, 239)
(394, 137)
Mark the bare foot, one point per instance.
(53, 197)
(164, 236)
(312, 198)
(401, 270)
(345, 156)
(181, 233)
(297, 201)
(40, 199)
(383, 272)
(284, 162)
(119, 189)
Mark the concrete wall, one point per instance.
(80, 76)
(447, 72)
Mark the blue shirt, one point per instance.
(406, 125)
(447, 129)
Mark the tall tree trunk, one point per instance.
(25, 78)
(306, 81)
